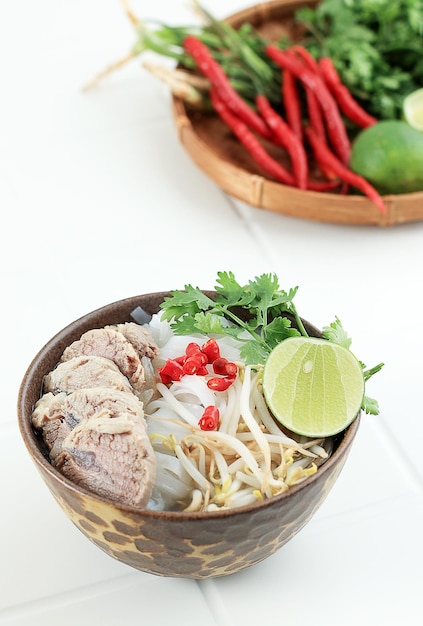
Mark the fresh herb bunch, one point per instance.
(376, 45)
(240, 53)
(270, 310)
(192, 311)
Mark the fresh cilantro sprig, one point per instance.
(191, 311)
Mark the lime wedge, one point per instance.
(413, 109)
(312, 386)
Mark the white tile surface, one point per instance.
(99, 202)
(348, 569)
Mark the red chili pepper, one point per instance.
(231, 369)
(315, 114)
(171, 370)
(324, 156)
(210, 418)
(308, 58)
(335, 126)
(224, 367)
(211, 349)
(192, 349)
(211, 69)
(192, 365)
(292, 105)
(219, 365)
(313, 106)
(250, 142)
(286, 137)
(220, 384)
(324, 185)
(346, 102)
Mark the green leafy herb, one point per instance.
(271, 313)
(191, 311)
(376, 45)
(370, 406)
(336, 334)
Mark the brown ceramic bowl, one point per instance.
(190, 545)
(213, 148)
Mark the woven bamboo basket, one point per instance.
(219, 155)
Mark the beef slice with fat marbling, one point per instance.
(110, 344)
(112, 457)
(57, 415)
(85, 371)
(140, 337)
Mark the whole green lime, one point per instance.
(389, 155)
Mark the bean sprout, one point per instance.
(248, 458)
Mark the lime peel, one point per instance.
(312, 386)
(413, 109)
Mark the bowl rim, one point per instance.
(345, 437)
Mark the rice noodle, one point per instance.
(246, 459)
(250, 420)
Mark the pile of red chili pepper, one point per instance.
(264, 92)
(194, 363)
(322, 131)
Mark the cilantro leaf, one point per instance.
(279, 329)
(187, 302)
(370, 406)
(231, 293)
(336, 334)
(205, 323)
(253, 353)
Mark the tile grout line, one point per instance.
(65, 598)
(214, 602)
(396, 451)
(249, 225)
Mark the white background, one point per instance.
(99, 201)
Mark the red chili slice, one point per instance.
(171, 370)
(192, 364)
(220, 384)
(210, 418)
(211, 349)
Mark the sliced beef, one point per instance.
(112, 457)
(48, 408)
(91, 415)
(110, 344)
(140, 337)
(86, 371)
(57, 415)
(55, 424)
